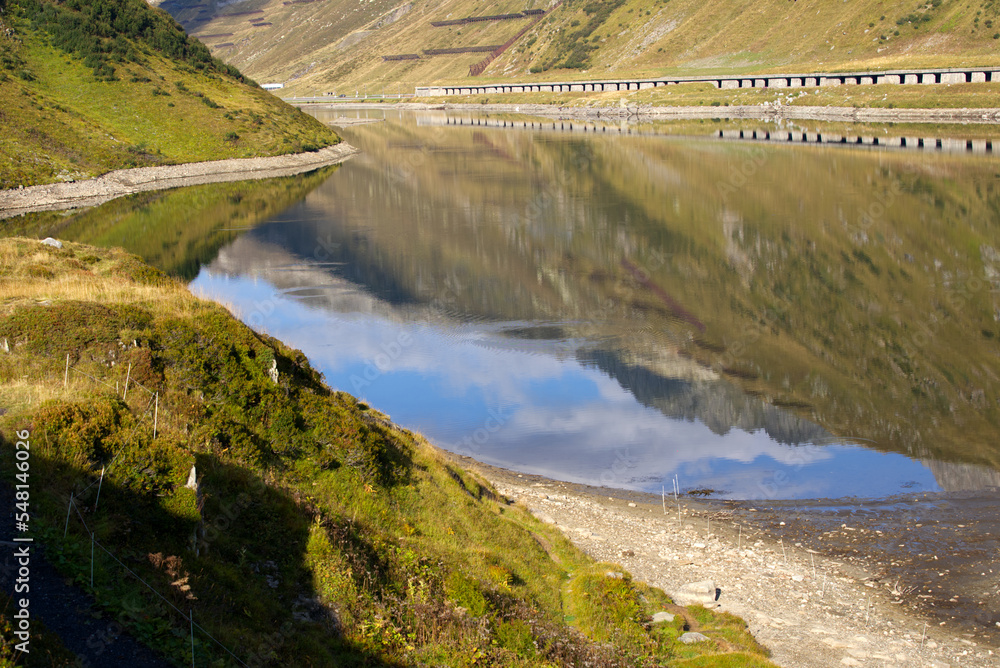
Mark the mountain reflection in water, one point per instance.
(761, 320)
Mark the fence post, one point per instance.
(99, 485)
(191, 618)
(128, 374)
(156, 411)
(68, 508)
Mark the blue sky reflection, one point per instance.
(537, 409)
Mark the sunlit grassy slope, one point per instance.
(77, 103)
(320, 535)
(336, 45)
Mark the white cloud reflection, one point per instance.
(560, 419)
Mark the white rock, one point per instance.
(192, 481)
(661, 617)
(49, 241)
(695, 593)
(692, 637)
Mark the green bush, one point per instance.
(465, 592)
(107, 31)
(182, 504)
(71, 327)
(84, 433)
(516, 636)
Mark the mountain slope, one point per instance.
(91, 87)
(319, 46)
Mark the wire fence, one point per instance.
(151, 409)
(186, 616)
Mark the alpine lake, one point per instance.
(736, 309)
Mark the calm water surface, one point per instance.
(756, 320)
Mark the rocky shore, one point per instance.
(811, 609)
(92, 192)
(763, 112)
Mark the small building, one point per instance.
(272, 86)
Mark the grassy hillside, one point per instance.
(335, 45)
(92, 87)
(320, 533)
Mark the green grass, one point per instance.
(321, 534)
(61, 121)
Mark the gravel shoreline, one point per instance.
(765, 112)
(91, 192)
(811, 610)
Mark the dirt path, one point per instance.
(811, 610)
(96, 638)
(128, 181)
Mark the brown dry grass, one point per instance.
(25, 265)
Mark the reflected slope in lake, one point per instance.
(758, 320)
